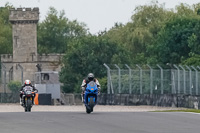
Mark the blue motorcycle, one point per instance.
(90, 98)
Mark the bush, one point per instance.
(14, 86)
(103, 83)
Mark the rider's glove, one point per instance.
(83, 89)
(99, 92)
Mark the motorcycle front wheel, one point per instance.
(88, 110)
(28, 105)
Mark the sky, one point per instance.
(98, 15)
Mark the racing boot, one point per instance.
(82, 97)
(21, 102)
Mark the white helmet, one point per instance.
(90, 76)
(27, 82)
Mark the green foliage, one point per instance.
(177, 39)
(88, 54)
(56, 31)
(14, 86)
(181, 110)
(194, 60)
(155, 36)
(140, 34)
(6, 31)
(103, 82)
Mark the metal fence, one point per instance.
(153, 80)
(3, 84)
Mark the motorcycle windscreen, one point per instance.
(91, 83)
(92, 86)
(28, 90)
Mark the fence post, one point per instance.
(108, 78)
(4, 81)
(140, 78)
(173, 91)
(21, 73)
(184, 79)
(130, 83)
(190, 78)
(151, 79)
(196, 79)
(119, 78)
(178, 78)
(173, 83)
(198, 74)
(161, 74)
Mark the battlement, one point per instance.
(24, 15)
(6, 57)
(50, 57)
(41, 58)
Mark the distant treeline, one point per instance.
(155, 35)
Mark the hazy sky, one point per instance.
(98, 15)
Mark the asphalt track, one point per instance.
(99, 122)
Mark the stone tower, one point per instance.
(24, 32)
(24, 63)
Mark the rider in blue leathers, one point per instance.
(90, 77)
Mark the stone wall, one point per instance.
(13, 71)
(6, 58)
(24, 42)
(29, 70)
(50, 57)
(50, 62)
(24, 32)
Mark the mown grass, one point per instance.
(184, 110)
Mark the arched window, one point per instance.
(46, 76)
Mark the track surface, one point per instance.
(99, 122)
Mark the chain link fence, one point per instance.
(153, 79)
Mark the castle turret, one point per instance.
(24, 25)
(25, 62)
(24, 31)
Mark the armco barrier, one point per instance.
(165, 100)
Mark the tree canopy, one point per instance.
(155, 35)
(5, 30)
(88, 54)
(56, 31)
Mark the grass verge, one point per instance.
(184, 110)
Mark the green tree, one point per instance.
(140, 33)
(177, 39)
(6, 30)
(14, 86)
(56, 31)
(88, 54)
(194, 54)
